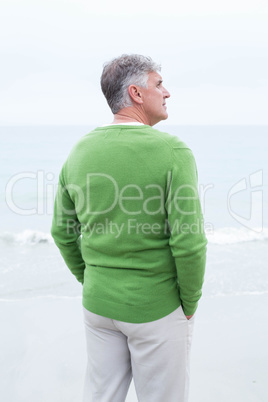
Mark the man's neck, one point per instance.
(129, 115)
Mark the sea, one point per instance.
(232, 163)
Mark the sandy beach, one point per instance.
(44, 354)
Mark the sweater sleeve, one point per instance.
(187, 238)
(66, 231)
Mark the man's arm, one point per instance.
(66, 231)
(187, 239)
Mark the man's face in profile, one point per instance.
(154, 99)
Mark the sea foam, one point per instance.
(231, 235)
(27, 237)
(226, 235)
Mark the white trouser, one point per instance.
(155, 353)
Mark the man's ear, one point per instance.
(135, 94)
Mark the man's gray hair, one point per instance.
(118, 74)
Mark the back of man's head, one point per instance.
(120, 73)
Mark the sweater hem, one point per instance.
(130, 313)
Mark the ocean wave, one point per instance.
(36, 297)
(27, 237)
(231, 235)
(227, 235)
(236, 293)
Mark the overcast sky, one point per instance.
(214, 57)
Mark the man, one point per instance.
(131, 192)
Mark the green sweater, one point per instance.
(128, 223)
